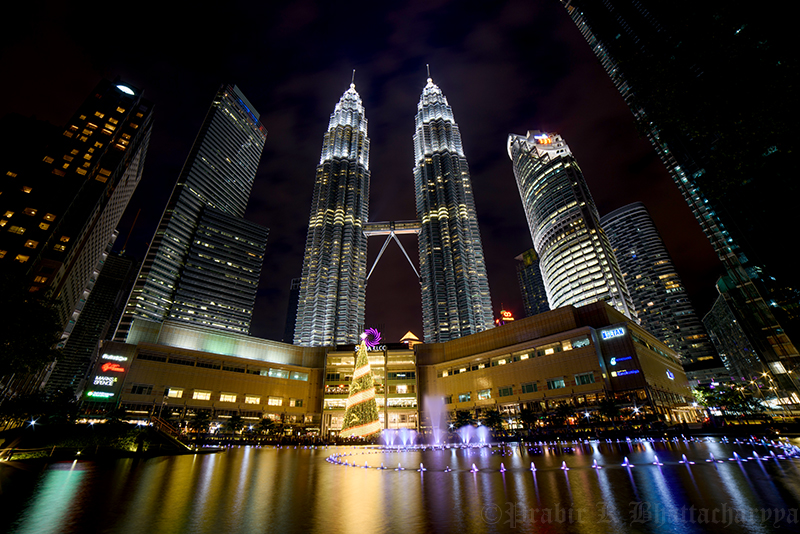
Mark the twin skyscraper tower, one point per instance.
(453, 280)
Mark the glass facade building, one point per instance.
(577, 263)
(531, 283)
(330, 308)
(674, 72)
(656, 290)
(202, 227)
(455, 289)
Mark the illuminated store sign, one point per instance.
(115, 367)
(543, 139)
(104, 380)
(115, 358)
(614, 332)
(99, 394)
(615, 361)
(624, 373)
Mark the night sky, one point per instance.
(504, 67)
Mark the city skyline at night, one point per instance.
(492, 80)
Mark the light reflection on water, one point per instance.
(297, 490)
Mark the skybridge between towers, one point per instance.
(391, 229)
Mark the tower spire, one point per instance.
(353, 79)
(428, 68)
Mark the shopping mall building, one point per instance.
(573, 355)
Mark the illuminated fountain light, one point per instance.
(564, 466)
(655, 460)
(626, 463)
(595, 466)
(366, 466)
(533, 467)
(382, 467)
(712, 459)
(685, 460)
(399, 468)
(447, 469)
(502, 468)
(474, 469)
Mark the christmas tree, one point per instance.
(361, 416)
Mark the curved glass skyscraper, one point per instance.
(455, 288)
(577, 262)
(330, 310)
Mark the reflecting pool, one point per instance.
(678, 486)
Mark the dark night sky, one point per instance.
(505, 67)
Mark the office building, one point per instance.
(330, 307)
(727, 159)
(63, 196)
(455, 288)
(531, 283)
(577, 263)
(204, 260)
(658, 295)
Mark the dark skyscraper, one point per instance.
(577, 263)
(656, 290)
(63, 196)
(332, 288)
(725, 138)
(204, 261)
(531, 284)
(455, 288)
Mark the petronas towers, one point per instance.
(454, 285)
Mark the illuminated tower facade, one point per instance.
(204, 261)
(62, 197)
(330, 309)
(455, 288)
(577, 262)
(656, 290)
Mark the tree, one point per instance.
(463, 418)
(361, 416)
(266, 425)
(528, 418)
(562, 412)
(608, 408)
(234, 424)
(29, 330)
(493, 420)
(200, 422)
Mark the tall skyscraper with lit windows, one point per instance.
(576, 259)
(330, 308)
(656, 289)
(204, 260)
(455, 289)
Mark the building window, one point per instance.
(59, 248)
(201, 395)
(278, 373)
(227, 397)
(252, 400)
(584, 378)
(40, 279)
(275, 401)
(30, 243)
(402, 388)
(464, 397)
(64, 239)
(17, 230)
(49, 217)
(142, 389)
(44, 226)
(448, 399)
(484, 394)
(295, 403)
(556, 383)
(48, 159)
(29, 211)
(531, 387)
(22, 258)
(3, 253)
(174, 393)
(505, 391)
(296, 375)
